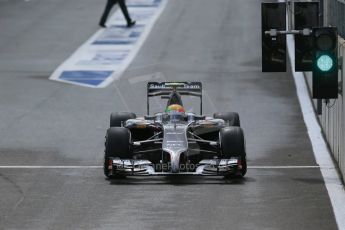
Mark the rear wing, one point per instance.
(164, 89)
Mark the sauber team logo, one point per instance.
(169, 85)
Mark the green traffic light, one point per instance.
(324, 63)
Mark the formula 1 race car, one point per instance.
(174, 142)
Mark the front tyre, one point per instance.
(116, 146)
(231, 118)
(232, 144)
(118, 119)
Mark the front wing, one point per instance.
(207, 167)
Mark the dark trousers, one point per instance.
(110, 4)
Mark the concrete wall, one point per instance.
(332, 119)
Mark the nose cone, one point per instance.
(175, 142)
(175, 163)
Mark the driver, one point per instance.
(175, 108)
(175, 111)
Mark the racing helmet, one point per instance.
(174, 108)
(175, 112)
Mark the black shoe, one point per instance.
(102, 25)
(130, 24)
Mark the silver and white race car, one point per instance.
(174, 142)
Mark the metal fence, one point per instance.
(332, 119)
(335, 14)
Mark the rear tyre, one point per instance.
(116, 146)
(232, 144)
(232, 118)
(119, 118)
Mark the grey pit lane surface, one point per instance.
(49, 123)
(85, 200)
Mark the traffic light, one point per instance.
(273, 16)
(325, 63)
(306, 17)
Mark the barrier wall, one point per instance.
(335, 14)
(332, 119)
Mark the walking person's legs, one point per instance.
(122, 4)
(109, 5)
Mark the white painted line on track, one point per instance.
(322, 155)
(50, 167)
(122, 98)
(214, 107)
(98, 167)
(284, 167)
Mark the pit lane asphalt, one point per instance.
(49, 123)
